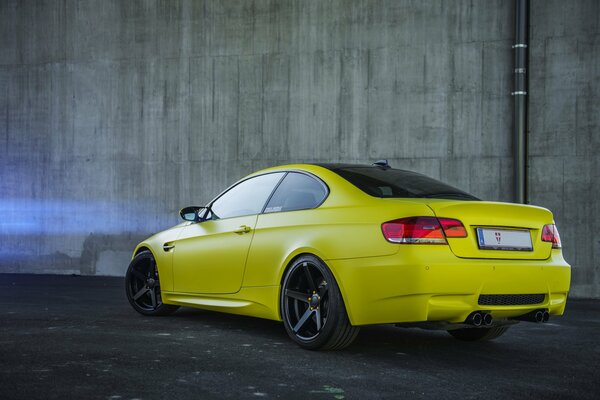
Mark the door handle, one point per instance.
(243, 229)
(167, 246)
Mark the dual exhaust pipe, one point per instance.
(482, 318)
(535, 316)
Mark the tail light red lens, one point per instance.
(453, 228)
(422, 230)
(550, 234)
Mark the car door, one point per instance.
(290, 221)
(210, 256)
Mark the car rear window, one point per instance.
(396, 183)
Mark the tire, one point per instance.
(312, 307)
(474, 334)
(142, 286)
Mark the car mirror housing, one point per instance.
(193, 213)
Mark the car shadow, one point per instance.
(383, 343)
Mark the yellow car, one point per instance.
(327, 248)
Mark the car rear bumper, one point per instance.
(428, 283)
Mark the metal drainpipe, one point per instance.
(520, 97)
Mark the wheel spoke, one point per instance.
(318, 319)
(303, 320)
(153, 297)
(139, 294)
(297, 295)
(309, 278)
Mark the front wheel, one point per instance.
(312, 307)
(142, 286)
(473, 334)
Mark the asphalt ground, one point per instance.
(67, 337)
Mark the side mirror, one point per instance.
(193, 213)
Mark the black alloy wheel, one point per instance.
(312, 307)
(143, 286)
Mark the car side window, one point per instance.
(246, 198)
(297, 192)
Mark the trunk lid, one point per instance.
(488, 222)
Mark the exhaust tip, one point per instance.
(475, 319)
(539, 316)
(487, 319)
(545, 316)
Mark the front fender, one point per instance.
(164, 259)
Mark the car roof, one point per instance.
(309, 167)
(334, 166)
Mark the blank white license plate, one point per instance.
(504, 239)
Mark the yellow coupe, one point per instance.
(327, 248)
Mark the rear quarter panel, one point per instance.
(329, 232)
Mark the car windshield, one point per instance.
(396, 183)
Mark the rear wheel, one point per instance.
(143, 286)
(474, 334)
(312, 307)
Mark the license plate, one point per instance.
(504, 239)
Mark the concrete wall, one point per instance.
(114, 114)
(564, 137)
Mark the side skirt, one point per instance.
(261, 302)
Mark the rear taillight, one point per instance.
(422, 230)
(550, 234)
(453, 227)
